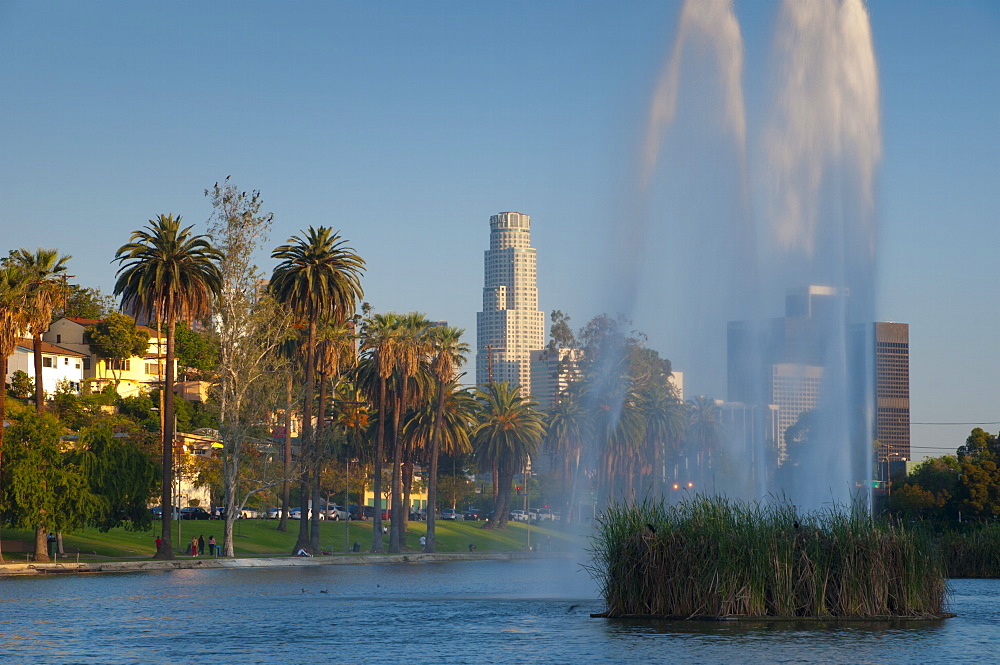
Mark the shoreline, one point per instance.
(85, 567)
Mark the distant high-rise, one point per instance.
(892, 391)
(510, 326)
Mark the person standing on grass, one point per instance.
(201, 545)
(158, 541)
(194, 546)
(211, 545)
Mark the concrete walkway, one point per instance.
(17, 569)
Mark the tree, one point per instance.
(560, 334)
(979, 445)
(121, 474)
(510, 432)
(249, 329)
(13, 296)
(85, 303)
(704, 431)
(197, 350)
(449, 351)
(411, 347)
(319, 280)
(45, 291)
(379, 347)
(44, 488)
(169, 275)
(115, 340)
(568, 427)
(665, 421)
(21, 386)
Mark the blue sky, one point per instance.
(406, 125)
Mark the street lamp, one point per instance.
(347, 504)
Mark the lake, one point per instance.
(467, 612)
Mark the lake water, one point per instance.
(469, 612)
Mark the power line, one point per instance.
(995, 422)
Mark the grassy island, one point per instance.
(721, 558)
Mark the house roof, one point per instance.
(51, 349)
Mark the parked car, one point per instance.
(194, 513)
(296, 514)
(519, 516)
(449, 514)
(336, 513)
(473, 514)
(542, 514)
(157, 512)
(356, 512)
(274, 514)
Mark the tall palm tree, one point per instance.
(568, 427)
(170, 275)
(13, 318)
(704, 431)
(411, 347)
(665, 421)
(46, 290)
(510, 432)
(319, 280)
(449, 351)
(380, 346)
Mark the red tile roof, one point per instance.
(51, 349)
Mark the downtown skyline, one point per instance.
(406, 127)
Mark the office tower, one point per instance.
(892, 391)
(781, 364)
(552, 373)
(510, 326)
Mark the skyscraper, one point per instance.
(892, 391)
(510, 326)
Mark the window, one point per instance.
(86, 363)
(58, 339)
(46, 361)
(118, 365)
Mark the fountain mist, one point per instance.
(738, 217)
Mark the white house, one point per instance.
(58, 364)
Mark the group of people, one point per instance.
(197, 546)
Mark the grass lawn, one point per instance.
(261, 538)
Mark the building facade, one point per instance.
(892, 391)
(510, 325)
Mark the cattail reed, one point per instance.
(717, 557)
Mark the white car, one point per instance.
(336, 513)
(296, 514)
(519, 516)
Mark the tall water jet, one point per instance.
(740, 218)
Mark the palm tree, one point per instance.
(319, 280)
(379, 344)
(46, 290)
(665, 420)
(170, 275)
(411, 347)
(704, 430)
(568, 426)
(510, 432)
(449, 351)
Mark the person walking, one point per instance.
(201, 545)
(158, 541)
(423, 543)
(211, 545)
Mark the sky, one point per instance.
(406, 125)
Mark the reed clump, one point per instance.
(972, 552)
(717, 557)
